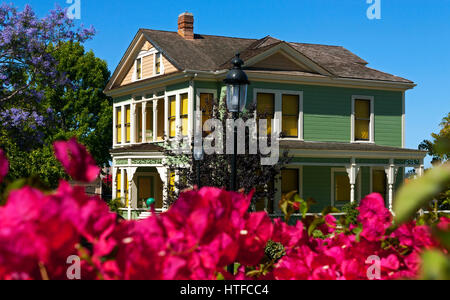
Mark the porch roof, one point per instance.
(334, 146)
(148, 147)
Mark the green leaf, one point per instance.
(444, 237)
(435, 266)
(416, 194)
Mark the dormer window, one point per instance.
(138, 68)
(157, 63)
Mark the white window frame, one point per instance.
(333, 190)
(372, 119)
(279, 109)
(136, 68)
(141, 56)
(115, 107)
(177, 94)
(161, 64)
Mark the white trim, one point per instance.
(289, 50)
(372, 119)
(403, 120)
(278, 120)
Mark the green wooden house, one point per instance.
(344, 122)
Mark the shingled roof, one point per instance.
(213, 53)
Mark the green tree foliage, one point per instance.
(439, 147)
(79, 108)
(439, 150)
(83, 110)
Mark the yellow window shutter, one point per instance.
(291, 110)
(119, 184)
(266, 108)
(172, 116)
(266, 104)
(119, 125)
(128, 121)
(184, 104)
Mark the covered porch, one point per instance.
(335, 174)
(139, 174)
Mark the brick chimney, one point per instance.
(186, 26)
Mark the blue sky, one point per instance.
(411, 40)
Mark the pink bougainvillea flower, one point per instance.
(76, 160)
(254, 237)
(4, 166)
(444, 224)
(374, 217)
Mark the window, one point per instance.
(128, 124)
(363, 120)
(289, 181)
(206, 105)
(291, 111)
(172, 181)
(158, 63)
(266, 109)
(184, 110)
(119, 125)
(379, 182)
(172, 116)
(138, 68)
(341, 189)
(119, 185)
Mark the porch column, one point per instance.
(420, 170)
(122, 184)
(163, 174)
(155, 120)
(133, 123)
(124, 129)
(353, 171)
(144, 122)
(391, 172)
(114, 126)
(130, 175)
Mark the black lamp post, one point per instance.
(237, 86)
(198, 157)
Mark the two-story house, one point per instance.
(344, 122)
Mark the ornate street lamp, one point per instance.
(237, 86)
(198, 157)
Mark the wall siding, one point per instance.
(327, 112)
(317, 185)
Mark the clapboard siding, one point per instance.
(327, 112)
(317, 185)
(147, 66)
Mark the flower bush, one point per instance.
(204, 232)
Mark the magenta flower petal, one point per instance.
(76, 160)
